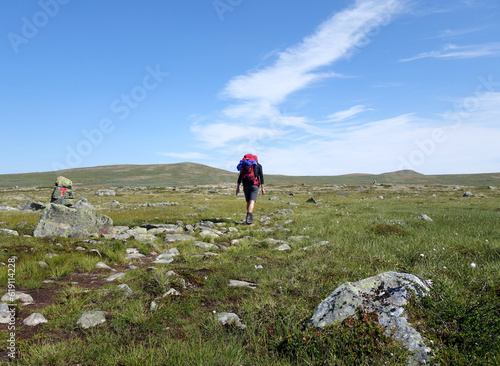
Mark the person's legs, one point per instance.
(251, 196)
(250, 206)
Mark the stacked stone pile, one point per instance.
(63, 192)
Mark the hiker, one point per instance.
(252, 177)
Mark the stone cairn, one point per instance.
(63, 192)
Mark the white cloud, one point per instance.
(296, 67)
(254, 114)
(349, 113)
(456, 52)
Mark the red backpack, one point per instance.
(247, 168)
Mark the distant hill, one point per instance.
(197, 174)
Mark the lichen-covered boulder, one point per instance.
(63, 192)
(385, 294)
(59, 220)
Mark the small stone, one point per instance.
(424, 217)
(115, 276)
(102, 265)
(9, 232)
(203, 245)
(230, 319)
(258, 266)
(283, 247)
(42, 264)
(467, 194)
(95, 251)
(4, 313)
(473, 265)
(126, 288)
(91, 319)
(34, 319)
(171, 292)
(24, 298)
(238, 283)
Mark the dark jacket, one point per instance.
(258, 173)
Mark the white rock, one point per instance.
(171, 292)
(283, 247)
(24, 298)
(102, 265)
(126, 288)
(34, 319)
(115, 276)
(91, 319)
(238, 283)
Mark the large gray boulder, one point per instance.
(385, 294)
(59, 220)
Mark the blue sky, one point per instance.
(313, 88)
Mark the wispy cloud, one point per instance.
(348, 113)
(254, 113)
(447, 33)
(457, 52)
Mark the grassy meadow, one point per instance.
(370, 229)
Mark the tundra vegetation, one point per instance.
(370, 229)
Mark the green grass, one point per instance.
(367, 236)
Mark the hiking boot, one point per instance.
(249, 219)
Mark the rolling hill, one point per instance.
(182, 174)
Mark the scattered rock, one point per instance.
(33, 206)
(424, 217)
(91, 319)
(22, 297)
(115, 276)
(467, 194)
(238, 283)
(84, 203)
(105, 192)
(8, 232)
(385, 295)
(311, 200)
(34, 319)
(283, 247)
(230, 319)
(274, 198)
(42, 264)
(162, 204)
(171, 292)
(285, 211)
(491, 187)
(59, 220)
(203, 245)
(172, 238)
(126, 288)
(168, 256)
(102, 265)
(4, 313)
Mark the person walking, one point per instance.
(252, 177)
